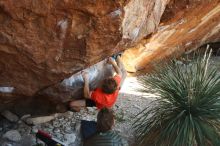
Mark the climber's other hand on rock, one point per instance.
(85, 76)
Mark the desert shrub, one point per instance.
(187, 110)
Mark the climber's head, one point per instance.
(105, 120)
(109, 85)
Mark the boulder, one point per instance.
(45, 44)
(42, 42)
(40, 120)
(12, 135)
(45, 41)
(10, 116)
(193, 24)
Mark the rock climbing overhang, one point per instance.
(43, 52)
(190, 28)
(44, 42)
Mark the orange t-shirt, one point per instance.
(105, 100)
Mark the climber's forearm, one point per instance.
(116, 68)
(121, 66)
(86, 90)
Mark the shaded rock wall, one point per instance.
(43, 42)
(192, 26)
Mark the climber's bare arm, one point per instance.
(122, 69)
(86, 91)
(115, 66)
(121, 66)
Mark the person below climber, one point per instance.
(104, 135)
(106, 95)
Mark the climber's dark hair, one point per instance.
(109, 85)
(105, 120)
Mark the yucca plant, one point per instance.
(187, 110)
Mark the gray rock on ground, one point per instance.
(12, 135)
(69, 138)
(10, 116)
(6, 144)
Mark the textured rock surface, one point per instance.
(44, 41)
(66, 128)
(10, 116)
(194, 23)
(12, 135)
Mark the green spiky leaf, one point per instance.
(187, 110)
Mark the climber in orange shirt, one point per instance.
(106, 95)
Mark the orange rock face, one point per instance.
(45, 41)
(185, 26)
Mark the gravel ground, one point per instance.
(66, 128)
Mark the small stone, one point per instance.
(24, 129)
(68, 129)
(69, 138)
(91, 109)
(12, 135)
(10, 116)
(20, 122)
(138, 107)
(58, 136)
(35, 129)
(56, 124)
(7, 144)
(61, 119)
(69, 113)
(56, 130)
(25, 116)
(39, 120)
(48, 126)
